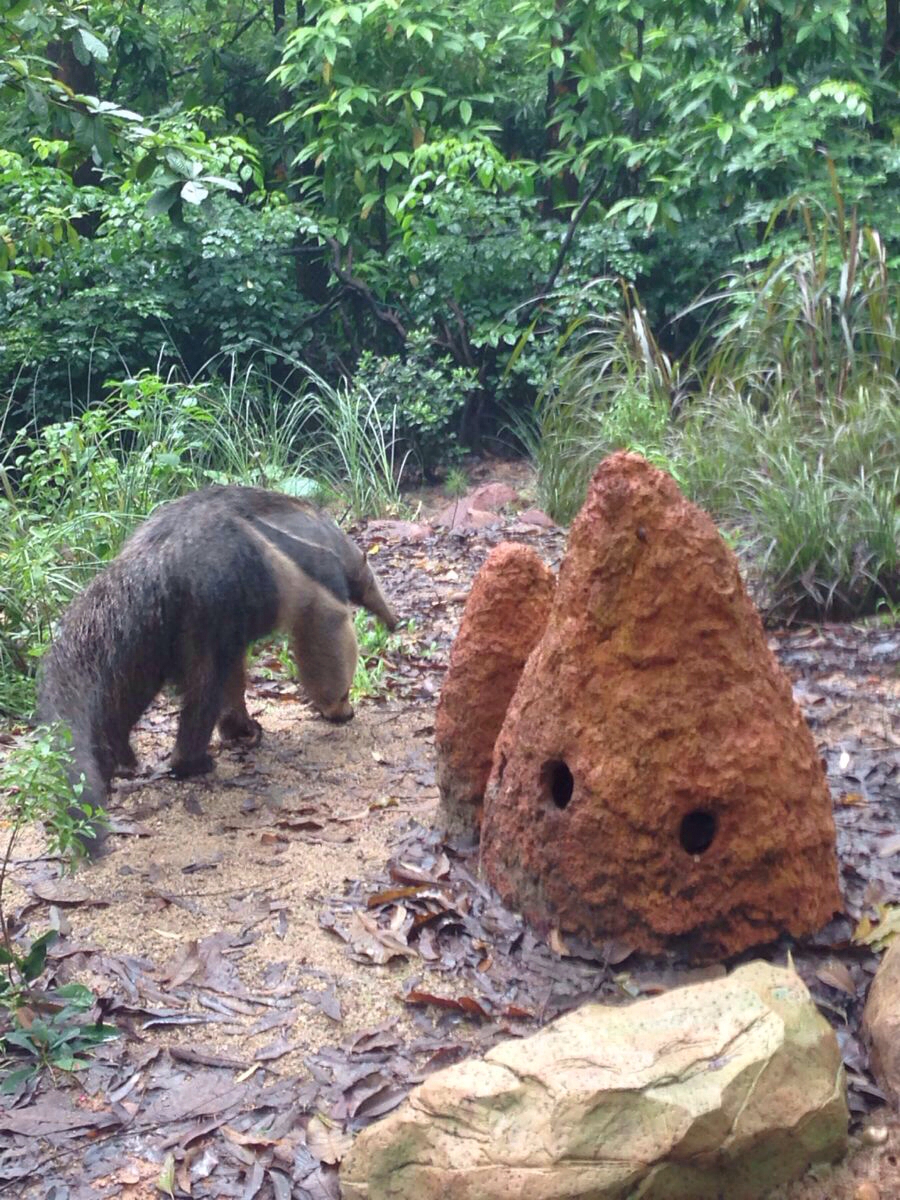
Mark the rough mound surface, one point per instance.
(726, 1088)
(504, 617)
(654, 781)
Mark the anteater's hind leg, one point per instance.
(235, 723)
(126, 759)
(202, 701)
(325, 650)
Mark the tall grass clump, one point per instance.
(355, 446)
(612, 390)
(784, 422)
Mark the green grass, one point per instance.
(456, 483)
(612, 391)
(783, 420)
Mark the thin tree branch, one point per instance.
(569, 234)
(354, 284)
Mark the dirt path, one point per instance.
(287, 946)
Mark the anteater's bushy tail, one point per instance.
(67, 701)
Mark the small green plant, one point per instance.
(47, 1027)
(456, 483)
(375, 645)
(57, 1041)
(35, 786)
(355, 441)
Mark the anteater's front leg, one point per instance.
(235, 723)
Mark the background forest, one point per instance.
(328, 246)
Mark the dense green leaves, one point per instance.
(332, 178)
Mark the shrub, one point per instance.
(144, 294)
(611, 392)
(422, 397)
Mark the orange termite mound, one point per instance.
(504, 617)
(654, 781)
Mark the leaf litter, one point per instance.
(297, 946)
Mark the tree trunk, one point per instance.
(890, 47)
(557, 89)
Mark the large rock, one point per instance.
(726, 1088)
(881, 1021)
(654, 781)
(504, 616)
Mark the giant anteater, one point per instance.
(192, 587)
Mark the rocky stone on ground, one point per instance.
(396, 531)
(654, 782)
(492, 497)
(504, 616)
(461, 514)
(881, 1022)
(726, 1088)
(535, 516)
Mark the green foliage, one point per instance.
(218, 285)
(612, 391)
(422, 397)
(376, 646)
(814, 490)
(784, 421)
(467, 171)
(34, 784)
(456, 483)
(60, 1041)
(356, 454)
(369, 81)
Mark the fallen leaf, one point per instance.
(851, 798)
(67, 891)
(327, 1142)
(835, 974)
(880, 935)
(465, 1004)
(166, 1180)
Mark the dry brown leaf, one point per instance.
(66, 891)
(852, 799)
(466, 1004)
(372, 942)
(248, 1139)
(328, 1143)
(835, 974)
